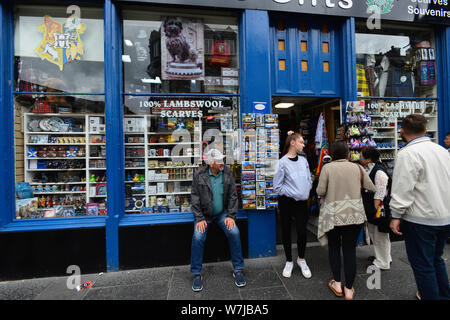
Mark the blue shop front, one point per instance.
(109, 108)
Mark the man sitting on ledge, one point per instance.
(214, 199)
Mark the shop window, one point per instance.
(59, 129)
(170, 53)
(325, 28)
(282, 64)
(280, 25)
(325, 47)
(167, 136)
(281, 45)
(326, 66)
(304, 46)
(396, 61)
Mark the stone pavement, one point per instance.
(263, 276)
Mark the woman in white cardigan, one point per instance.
(342, 215)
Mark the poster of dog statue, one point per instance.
(182, 49)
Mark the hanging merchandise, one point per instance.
(359, 129)
(324, 145)
(220, 53)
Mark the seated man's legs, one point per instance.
(198, 244)
(234, 240)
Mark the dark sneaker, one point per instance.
(197, 284)
(239, 279)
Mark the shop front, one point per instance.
(111, 106)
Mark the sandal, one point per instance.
(336, 293)
(353, 295)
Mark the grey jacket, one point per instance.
(202, 196)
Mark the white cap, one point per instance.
(214, 155)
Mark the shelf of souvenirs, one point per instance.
(383, 137)
(170, 193)
(83, 133)
(57, 158)
(171, 143)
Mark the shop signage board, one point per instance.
(427, 11)
(178, 107)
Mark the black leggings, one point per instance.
(299, 210)
(345, 237)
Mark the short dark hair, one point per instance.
(371, 153)
(414, 124)
(339, 150)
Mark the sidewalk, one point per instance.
(263, 276)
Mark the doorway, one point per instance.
(301, 114)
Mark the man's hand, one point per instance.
(395, 226)
(229, 223)
(201, 226)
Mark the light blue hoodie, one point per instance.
(292, 178)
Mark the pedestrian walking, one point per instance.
(214, 199)
(379, 233)
(342, 215)
(292, 182)
(419, 199)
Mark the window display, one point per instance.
(395, 61)
(377, 123)
(166, 136)
(179, 53)
(60, 147)
(165, 140)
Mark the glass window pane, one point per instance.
(170, 52)
(60, 156)
(396, 61)
(166, 139)
(59, 42)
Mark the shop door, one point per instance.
(305, 56)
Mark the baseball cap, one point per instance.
(214, 155)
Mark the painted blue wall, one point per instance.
(254, 47)
(443, 62)
(293, 81)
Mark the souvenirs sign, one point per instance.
(61, 43)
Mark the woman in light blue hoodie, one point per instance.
(292, 182)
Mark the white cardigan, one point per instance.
(421, 184)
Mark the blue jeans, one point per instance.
(425, 246)
(198, 244)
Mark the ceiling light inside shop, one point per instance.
(126, 58)
(128, 43)
(284, 105)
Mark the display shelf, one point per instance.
(70, 132)
(155, 148)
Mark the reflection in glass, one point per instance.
(210, 62)
(50, 43)
(396, 61)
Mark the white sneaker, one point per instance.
(305, 269)
(287, 271)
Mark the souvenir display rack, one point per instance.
(65, 165)
(386, 124)
(260, 155)
(161, 157)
